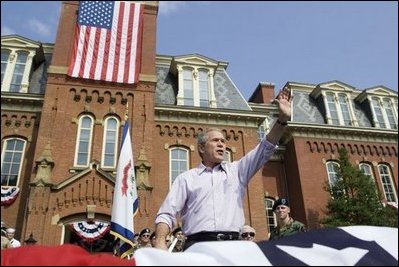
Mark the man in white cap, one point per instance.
(10, 235)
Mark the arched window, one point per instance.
(387, 184)
(227, 156)
(270, 216)
(344, 106)
(203, 88)
(110, 141)
(5, 55)
(367, 170)
(11, 161)
(19, 70)
(83, 141)
(178, 162)
(391, 115)
(332, 172)
(188, 88)
(332, 107)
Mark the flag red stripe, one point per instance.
(95, 53)
(129, 44)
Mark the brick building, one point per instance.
(50, 183)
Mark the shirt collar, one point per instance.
(201, 167)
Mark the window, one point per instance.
(366, 169)
(384, 113)
(19, 70)
(270, 216)
(387, 184)
(111, 127)
(178, 162)
(343, 104)
(188, 88)
(332, 172)
(333, 109)
(5, 55)
(203, 88)
(83, 144)
(339, 109)
(227, 156)
(263, 129)
(11, 161)
(392, 119)
(195, 87)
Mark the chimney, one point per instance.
(264, 93)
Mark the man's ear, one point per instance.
(201, 148)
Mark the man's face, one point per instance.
(213, 150)
(10, 235)
(282, 211)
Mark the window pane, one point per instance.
(178, 162)
(378, 113)
(387, 183)
(390, 114)
(11, 161)
(333, 109)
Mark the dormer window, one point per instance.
(195, 75)
(5, 55)
(385, 116)
(19, 70)
(195, 88)
(338, 109)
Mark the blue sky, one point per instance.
(271, 41)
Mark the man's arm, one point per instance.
(284, 107)
(161, 232)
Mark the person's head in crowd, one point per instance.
(178, 233)
(152, 239)
(282, 208)
(10, 232)
(145, 235)
(248, 233)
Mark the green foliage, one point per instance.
(355, 199)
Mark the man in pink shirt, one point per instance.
(209, 197)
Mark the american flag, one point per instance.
(107, 43)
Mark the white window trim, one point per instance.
(170, 161)
(354, 121)
(272, 213)
(196, 94)
(78, 140)
(9, 72)
(390, 181)
(384, 114)
(328, 172)
(115, 143)
(22, 156)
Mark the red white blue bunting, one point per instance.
(90, 231)
(8, 195)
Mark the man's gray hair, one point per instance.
(203, 137)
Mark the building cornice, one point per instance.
(21, 102)
(211, 116)
(334, 132)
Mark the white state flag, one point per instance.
(125, 201)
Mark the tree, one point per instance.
(355, 199)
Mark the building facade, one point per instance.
(60, 136)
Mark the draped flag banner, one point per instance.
(107, 44)
(342, 246)
(8, 195)
(90, 231)
(125, 201)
